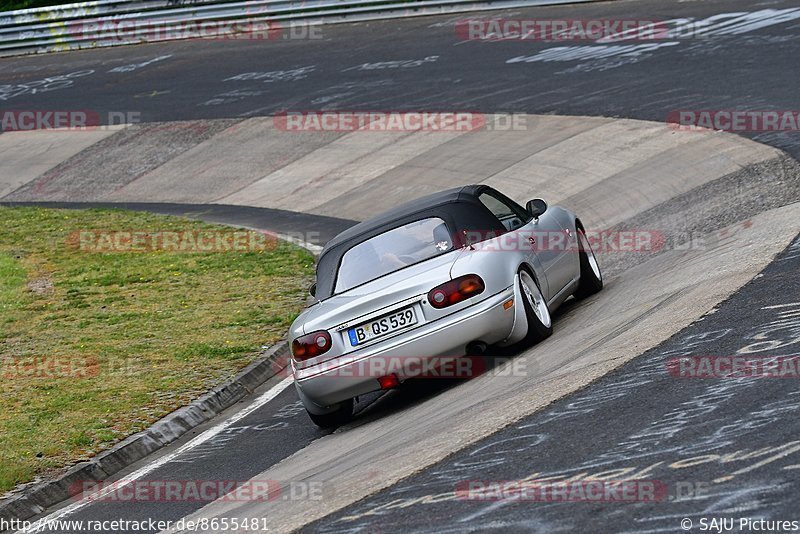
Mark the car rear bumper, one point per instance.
(410, 354)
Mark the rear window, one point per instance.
(391, 251)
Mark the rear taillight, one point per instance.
(311, 345)
(456, 290)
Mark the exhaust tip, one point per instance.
(476, 348)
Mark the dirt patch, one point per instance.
(41, 286)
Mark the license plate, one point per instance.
(382, 326)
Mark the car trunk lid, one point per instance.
(380, 296)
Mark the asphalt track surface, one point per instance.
(719, 447)
(753, 70)
(421, 64)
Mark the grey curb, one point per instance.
(37, 498)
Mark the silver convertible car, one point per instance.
(444, 276)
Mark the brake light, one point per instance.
(311, 345)
(456, 290)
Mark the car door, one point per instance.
(516, 219)
(555, 246)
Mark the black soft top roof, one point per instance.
(459, 208)
(384, 221)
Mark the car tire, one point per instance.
(342, 415)
(540, 323)
(591, 279)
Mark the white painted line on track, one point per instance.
(41, 524)
(776, 306)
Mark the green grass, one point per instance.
(10, 5)
(147, 332)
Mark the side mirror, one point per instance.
(536, 207)
(313, 289)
